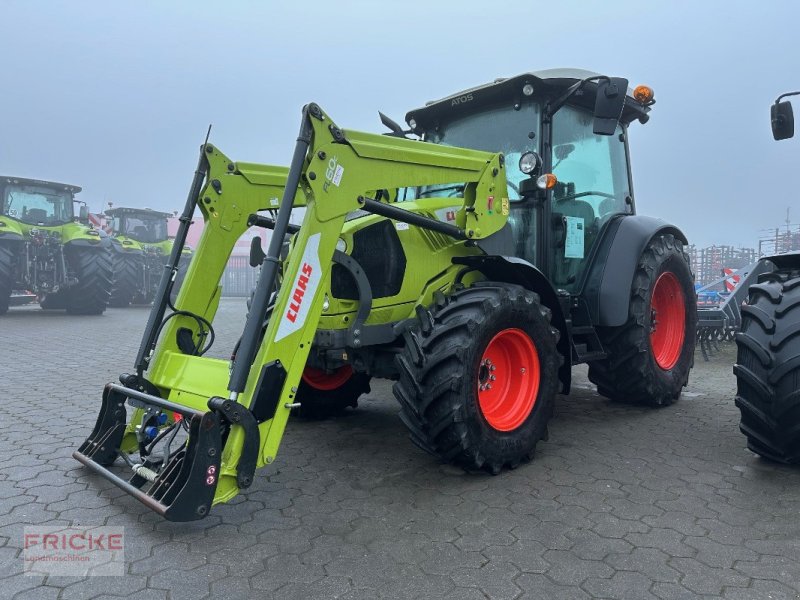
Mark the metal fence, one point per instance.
(239, 278)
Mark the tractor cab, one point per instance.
(146, 226)
(563, 133)
(37, 203)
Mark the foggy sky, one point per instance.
(116, 96)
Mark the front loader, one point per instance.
(473, 265)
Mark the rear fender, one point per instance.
(511, 269)
(789, 260)
(608, 284)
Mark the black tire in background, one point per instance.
(767, 367)
(183, 267)
(127, 275)
(6, 276)
(446, 375)
(642, 367)
(93, 268)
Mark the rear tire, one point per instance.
(464, 393)
(183, 267)
(126, 279)
(322, 395)
(650, 356)
(6, 277)
(768, 367)
(93, 268)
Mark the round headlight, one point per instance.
(527, 89)
(412, 123)
(341, 245)
(528, 162)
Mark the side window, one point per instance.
(590, 167)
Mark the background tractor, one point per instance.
(473, 258)
(141, 248)
(45, 249)
(767, 365)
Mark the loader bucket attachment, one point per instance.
(184, 488)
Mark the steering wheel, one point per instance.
(513, 186)
(587, 193)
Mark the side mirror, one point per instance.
(608, 104)
(782, 120)
(83, 214)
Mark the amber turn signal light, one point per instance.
(643, 94)
(547, 181)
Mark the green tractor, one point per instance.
(44, 248)
(141, 248)
(473, 258)
(767, 365)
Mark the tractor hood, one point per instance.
(547, 85)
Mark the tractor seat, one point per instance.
(569, 261)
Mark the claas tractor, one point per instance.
(48, 249)
(767, 365)
(141, 247)
(472, 258)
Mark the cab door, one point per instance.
(593, 186)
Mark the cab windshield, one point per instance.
(37, 205)
(148, 230)
(506, 129)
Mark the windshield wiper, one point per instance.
(449, 188)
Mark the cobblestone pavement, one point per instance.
(623, 502)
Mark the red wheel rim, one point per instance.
(320, 380)
(508, 379)
(668, 321)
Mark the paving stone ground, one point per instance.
(622, 502)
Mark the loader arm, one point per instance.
(332, 174)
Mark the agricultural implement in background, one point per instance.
(768, 344)
(473, 258)
(719, 315)
(48, 250)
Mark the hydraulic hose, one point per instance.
(161, 299)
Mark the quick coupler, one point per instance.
(179, 448)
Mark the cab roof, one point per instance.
(547, 84)
(25, 181)
(125, 210)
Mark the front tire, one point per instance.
(6, 277)
(767, 367)
(127, 277)
(94, 271)
(322, 395)
(479, 375)
(650, 356)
